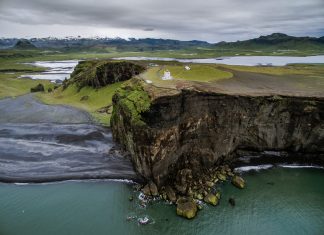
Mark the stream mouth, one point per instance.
(56, 70)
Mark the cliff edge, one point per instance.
(170, 132)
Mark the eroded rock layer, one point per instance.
(182, 133)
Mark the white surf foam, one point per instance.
(255, 168)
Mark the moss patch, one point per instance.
(132, 100)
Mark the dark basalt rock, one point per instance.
(39, 87)
(153, 189)
(231, 201)
(170, 194)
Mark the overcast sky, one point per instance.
(209, 20)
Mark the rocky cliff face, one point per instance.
(182, 133)
(100, 73)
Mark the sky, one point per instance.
(207, 20)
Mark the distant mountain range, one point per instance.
(273, 41)
(276, 41)
(99, 43)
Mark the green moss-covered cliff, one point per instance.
(99, 73)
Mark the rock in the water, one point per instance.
(130, 198)
(146, 190)
(186, 208)
(211, 199)
(221, 177)
(153, 189)
(171, 194)
(231, 201)
(238, 182)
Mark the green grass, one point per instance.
(202, 73)
(97, 98)
(10, 86)
(197, 72)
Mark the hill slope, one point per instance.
(24, 44)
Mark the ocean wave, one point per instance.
(255, 168)
(301, 166)
(123, 181)
(268, 166)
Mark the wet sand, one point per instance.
(27, 109)
(45, 143)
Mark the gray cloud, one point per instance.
(148, 29)
(211, 20)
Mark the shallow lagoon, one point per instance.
(275, 201)
(56, 70)
(244, 60)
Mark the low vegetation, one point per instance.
(10, 86)
(98, 102)
(197, 72)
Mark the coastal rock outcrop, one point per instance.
(176, 135)
(211, 199)
(187, 208)
(238, 182)
(100, 73)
